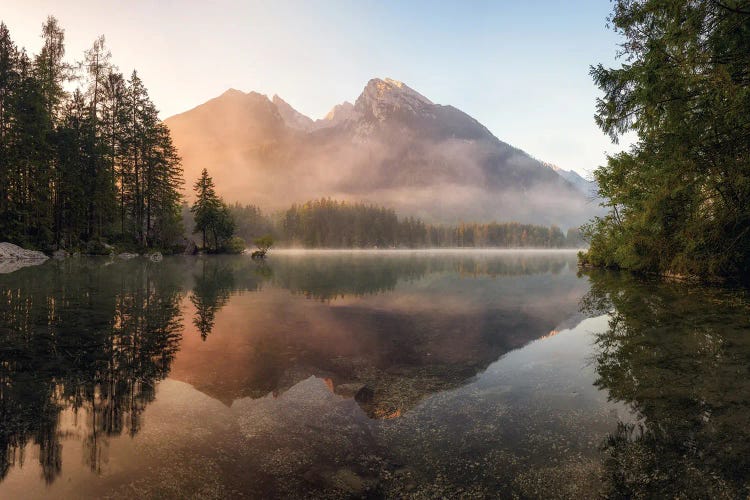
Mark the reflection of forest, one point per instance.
(387, 350)
(85, 338)
(93, 336)
(341, 274)
(679, 355)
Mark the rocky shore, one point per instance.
(13, 257)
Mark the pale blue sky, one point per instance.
(520, 68)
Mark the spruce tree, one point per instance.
(679, 199)
(89, 164)
(206, 207)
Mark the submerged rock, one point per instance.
(155, 257)
(127, 256)
(60, 254)
(364, 395)
(349, 390)
(9, 266)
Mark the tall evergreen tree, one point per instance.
(9, 82)
(213, 218)
(70, 160)
(679, 199)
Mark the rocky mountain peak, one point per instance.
(232, 93)
(382, 97)
(393, 147)
(340, 113)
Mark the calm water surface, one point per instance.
(344, 374)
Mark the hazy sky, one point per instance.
(520, 68)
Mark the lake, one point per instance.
(369, 374)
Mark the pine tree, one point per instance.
(679, 199)
(213, 217)
(9, 81)
(206, 205)
(69, 160)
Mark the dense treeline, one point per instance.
(250, 221)
(329, 223)
(90, 165)
(679, 199)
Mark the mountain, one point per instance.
(587, 187)
(393, 147)
(292, 118)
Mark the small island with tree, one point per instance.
(213, 220)
(264, 244)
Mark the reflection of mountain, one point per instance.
(91, 339)
(679, 356)
(432, 332)
(83, 342)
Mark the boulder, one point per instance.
(190, 248)
(13, 258)
(349, 390)
(155, 257)
(364, 395)
(60, 254)
(9, 251)
(127, 256)
(97, 247)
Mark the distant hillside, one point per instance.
(393, 147)
(587, 187)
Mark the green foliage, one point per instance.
(264, 243)
(213, 218)
(333, 224)
(679, 199)
(235, 245)
(250, 222)
(88, 165)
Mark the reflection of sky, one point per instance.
(556, 367)
(429, 347)
(534, 402)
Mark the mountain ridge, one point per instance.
(393, 147)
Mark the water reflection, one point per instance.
(344, 374)
(90, 342)
(447, 321)
(330, 275)
(680, 357)
(83, 342)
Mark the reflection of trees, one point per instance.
(679, 357)
(210, 293)
(327, 277)
(89, 338)
(86, 340)
(215, 282)
(405, 346)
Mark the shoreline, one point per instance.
(292, 250)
